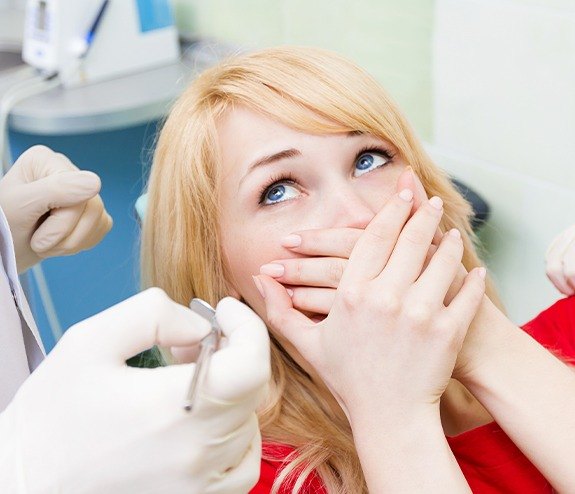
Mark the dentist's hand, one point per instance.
(85, 423)
(53, 208)
(560, 261)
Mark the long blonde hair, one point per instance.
(310, 90)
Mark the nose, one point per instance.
(349, 209)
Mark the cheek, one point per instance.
(246, 249)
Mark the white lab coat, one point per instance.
(21, 349)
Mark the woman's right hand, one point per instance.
(389, 345)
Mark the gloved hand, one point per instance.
(53, 208)
(84, 422)
(560, 261)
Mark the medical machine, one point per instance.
(84, 41)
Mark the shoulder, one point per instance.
(274, 459)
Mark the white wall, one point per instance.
(504, 121)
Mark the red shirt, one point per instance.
(490, 461)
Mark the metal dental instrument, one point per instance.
(208, 345)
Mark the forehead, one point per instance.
(244, 135)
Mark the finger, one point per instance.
(281, 315)
(40, 161)
(328, 242)
(185, 354)
(555, 260)
(465, 304)
(406, 262)
(92, 226)
(60, 190)
(410, 180)
(310, 271)
(243, 366)
(569, 266)
(245, 475)
(58, 224)
(234, 446)
(372, 250)
(316, 300)
(433, 284)
(456, 285)
(137, 324)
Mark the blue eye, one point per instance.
(279, 192)
(369, 161)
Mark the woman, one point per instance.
(281, 161)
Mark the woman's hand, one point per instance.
(387, 314)
(388, 346)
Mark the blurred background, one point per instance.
(488, 86)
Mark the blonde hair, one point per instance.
(310, 90)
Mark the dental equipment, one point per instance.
(93, 40)
(208, 346)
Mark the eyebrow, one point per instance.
(269, 159)
(281, 155)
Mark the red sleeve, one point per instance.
(554, 328)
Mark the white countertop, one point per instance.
(117, 103)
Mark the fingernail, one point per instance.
(273, 270)
(292, 240)
(259, 286)
(406, 195)
(436, 203)
(454, 232)
(289, 291)
(482, 272)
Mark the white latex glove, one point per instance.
(84, 422)
(560, 261)
(53, 208)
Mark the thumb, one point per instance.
(282, 316)
(59, 190)
(137, 324)
(242, 367)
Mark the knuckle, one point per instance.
(389, 303)
(415, 236)
(40, 150)
(451, 256)
(335, 272)
(156, 298)
(419, 315)
(351, 296)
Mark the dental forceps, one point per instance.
(208, 345)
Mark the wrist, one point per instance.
(407, 452)
(398, 423)
(486, 344)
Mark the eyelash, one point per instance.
(274, 180)
(290, 179)
(376, 150)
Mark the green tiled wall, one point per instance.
(390, 38)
